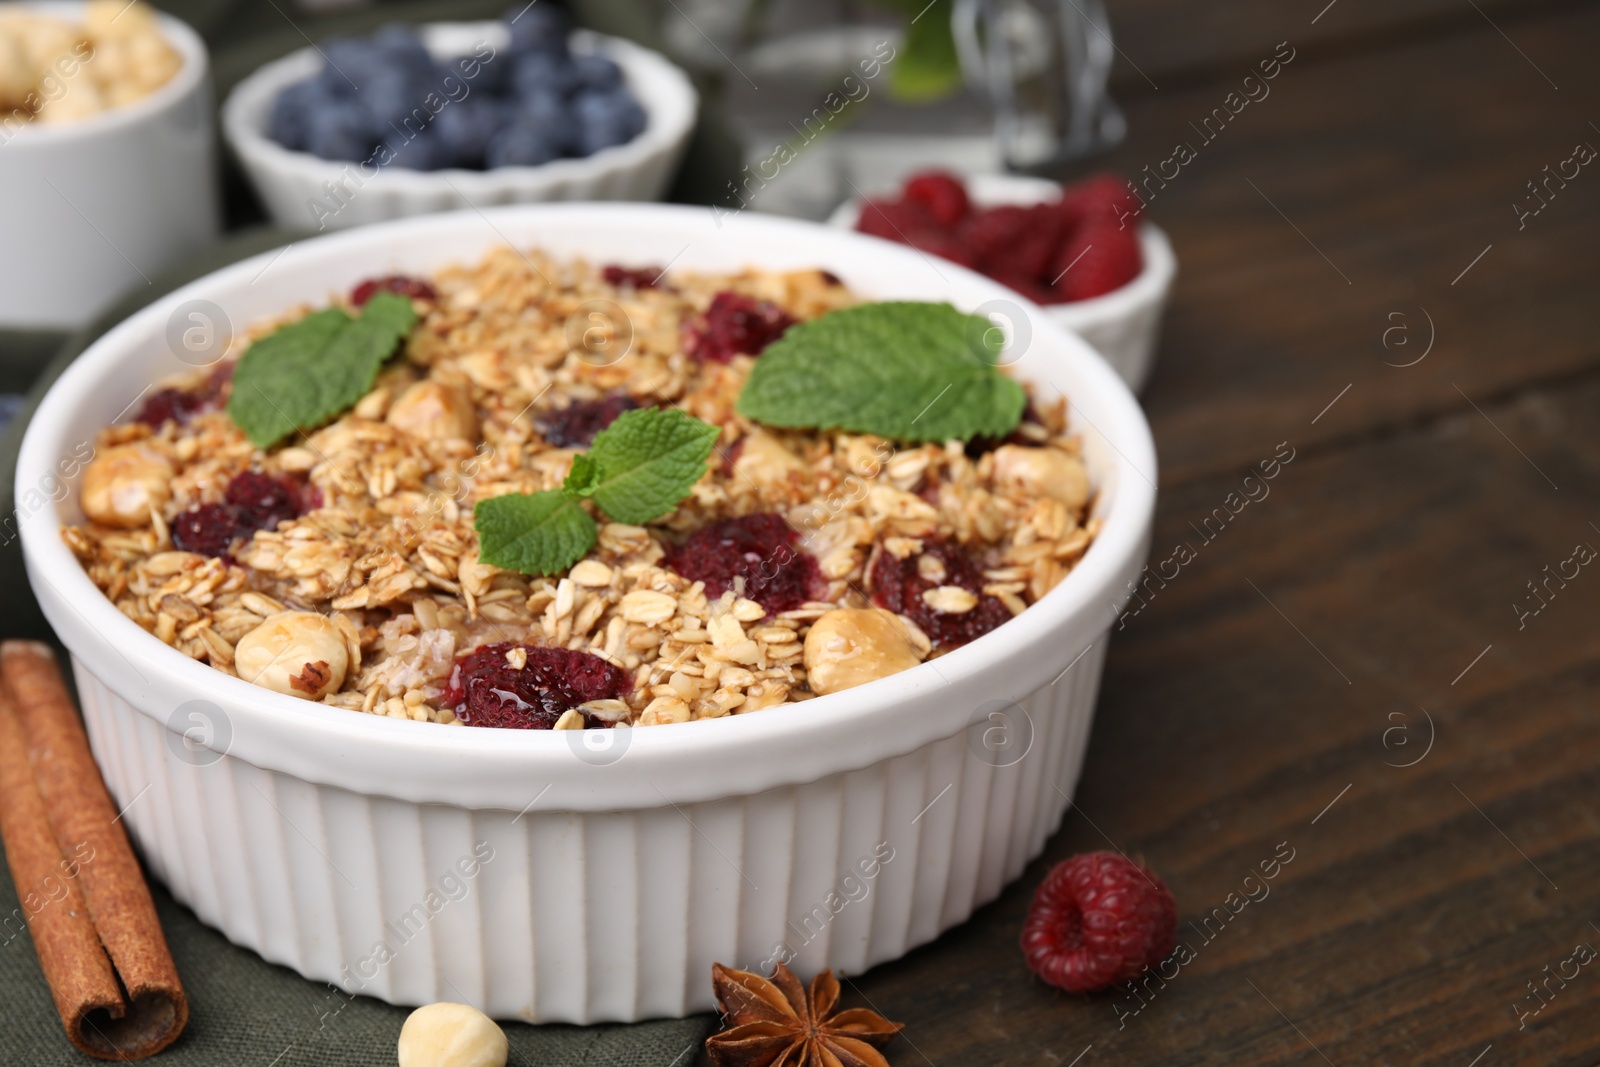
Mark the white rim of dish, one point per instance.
(668, 117)
(680, 754)
(179, 35)
(992, 190)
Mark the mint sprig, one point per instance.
(305, 373)
(637, 469)
(903, 370)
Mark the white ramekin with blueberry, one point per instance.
(409, 121)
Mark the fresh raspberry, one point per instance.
(1098, 919)
(942, 193)
(631, 277)
(1028, 285)
(1095, 260)
(576, 425)
(1036, 251)
(734, 324)
(485, 690)
(944, 245)
(262, 501)
(1104, 197)
(992, 234)
(415, 288)
(895, 220)
(898, 584)
(761, 549)
(208, 529)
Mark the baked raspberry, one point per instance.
(576, 425)
(415, 288)
(208, 529)
(485, 690)
(252, 501)
(1096, 259)
(898, 584)
(762, 550)
(942, 193)
(177, 405)
(261, 501)
(631, 277)
(1098, 919)
(734, 323)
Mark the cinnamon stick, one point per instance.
(102, 948)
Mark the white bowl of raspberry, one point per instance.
(590, 875)
(1077, 259)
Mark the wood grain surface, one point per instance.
(1346, 670)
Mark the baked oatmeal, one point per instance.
(345, 563)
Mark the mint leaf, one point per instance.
(902, 370)
(305, 373)
(583, 477)
(537, 533)
(644, 463)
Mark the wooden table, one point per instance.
(1346, 667)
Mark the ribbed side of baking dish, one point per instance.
(586, 917)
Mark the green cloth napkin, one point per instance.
(243, 1009)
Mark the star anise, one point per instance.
(772, 1022)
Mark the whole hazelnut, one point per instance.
(297, 653)
(124, 484)
(848, 647)
(451, 1035)
(1042, 472)
(430, 410)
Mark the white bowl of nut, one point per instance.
(105, 126)
(532, 627)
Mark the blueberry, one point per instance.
(522, 144)
(348, 63)
(606, 119)
(464, 129)
(400, 44)
(290, 120)
(423, 151)
(597, 72)
(549, 113)
(540, 72)
(539, 26)
(393, 98)
(338, 130)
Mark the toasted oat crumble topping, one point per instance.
(390, 555)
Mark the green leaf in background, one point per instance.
(647, 461)
(927, 67)
(305, 373)
(903, 370)
(534, 533)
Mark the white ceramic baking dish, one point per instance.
(591, 875)
(295, 185)
(1124, 325)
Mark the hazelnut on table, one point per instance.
(451, 1035)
